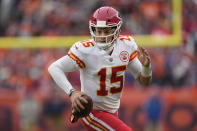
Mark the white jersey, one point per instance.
(101, 74)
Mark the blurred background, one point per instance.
(31, 101)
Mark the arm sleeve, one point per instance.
(57, 69)
(135, 67)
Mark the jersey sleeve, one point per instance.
(130, 46)
(77, 55)
(135, 67)
(57, 70)
(133, 48)
(134, 64)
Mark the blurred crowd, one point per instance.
(172, 66)
(26, 70)
(70, 17)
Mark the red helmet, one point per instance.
(105, 17)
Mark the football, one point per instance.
(88, 107)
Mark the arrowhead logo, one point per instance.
(124, 56)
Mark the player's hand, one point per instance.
(76, 100)
(144, 56)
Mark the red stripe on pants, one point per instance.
(110, 119)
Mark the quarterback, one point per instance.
(102, 62)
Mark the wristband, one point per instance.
(146, 71)
(70, 92)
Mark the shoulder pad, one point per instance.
(84, 46)
(128, 40)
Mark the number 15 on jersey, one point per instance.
(114, 78)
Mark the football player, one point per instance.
(102, 62)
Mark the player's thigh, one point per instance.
(104, 121)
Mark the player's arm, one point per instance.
(57, 71)
(141, 67)
(145, 76)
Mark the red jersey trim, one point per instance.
(75, 58)
(133, 55)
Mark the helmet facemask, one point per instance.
(108, 39)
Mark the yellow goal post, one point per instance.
(66, 41)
